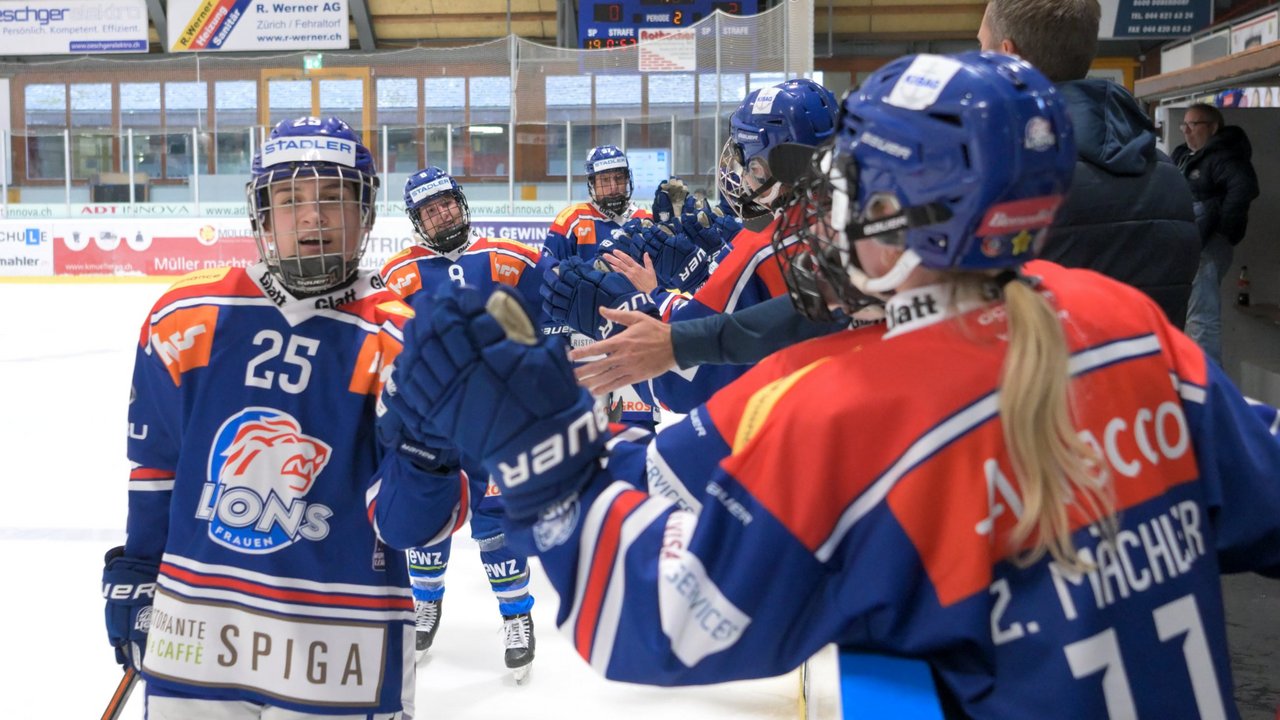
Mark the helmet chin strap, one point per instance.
(888, 283)
(764, 196)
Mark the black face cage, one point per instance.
(816, 275)
(312, 274)
(612, 204)
(448, 239)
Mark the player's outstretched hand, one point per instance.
(641, 274)
(640, 352)
(576, 291)
(506, 395)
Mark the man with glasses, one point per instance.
(1215, 159)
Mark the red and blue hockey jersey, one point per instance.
(253, 450)
(865, 497)
(749, 274)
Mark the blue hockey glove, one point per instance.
(507, 397)
(576, 291)
(621, 241)
(681, 261)
(704, 222)
(672, 195)
(129, 586)
(401, 427)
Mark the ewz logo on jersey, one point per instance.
(261, 467)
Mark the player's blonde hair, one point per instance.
(1053, 466)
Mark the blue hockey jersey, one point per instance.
(252, 442)
(579, 228)
(482, 263)
(862, 495)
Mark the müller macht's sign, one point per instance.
(258, 25)
(65, 27)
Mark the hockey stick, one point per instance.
(121, 696)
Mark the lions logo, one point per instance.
(261, 467)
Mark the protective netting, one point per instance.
(512, 119)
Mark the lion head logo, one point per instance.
(261, 468)
(272, 454)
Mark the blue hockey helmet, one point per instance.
(962, 160)
(310, 193)
(796, 111)
(434, 202)
(608, 158)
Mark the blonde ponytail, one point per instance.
(1051, 462)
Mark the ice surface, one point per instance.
(66, 354)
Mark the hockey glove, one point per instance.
(509, 398)
(671, 195)
(619, 241)
(701, 222)
(681, 261)
(129, 586)
(402, 428)
(575, 293)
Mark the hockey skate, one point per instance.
(518, 630)
(427, 620)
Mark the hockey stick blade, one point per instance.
(511, 316)
(121, 696)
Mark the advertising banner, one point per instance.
(25, 250)
(175, 247)
(258, 25)
(1254, 32)
(668, 50)
(1153, 18)
(64, 27)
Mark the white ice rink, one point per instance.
(66, 354)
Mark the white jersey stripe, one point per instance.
(591, 524)
(285, 608)
(274, 581)
(611, 609)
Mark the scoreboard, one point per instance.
(615, 23)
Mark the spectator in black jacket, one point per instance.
(1128, 213)
(1216, 163)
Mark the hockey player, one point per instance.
(1031, 481)
(577, 232)
(795, 112)
(251, 580)
(579, 228)
(449, 251)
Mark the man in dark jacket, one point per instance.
(1216, 163)
(1128, 213)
